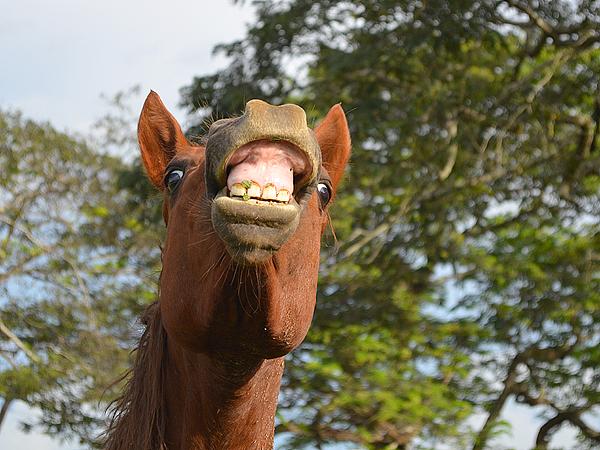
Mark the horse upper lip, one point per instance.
(268, 170)
(260, 122)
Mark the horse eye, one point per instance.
(173, 178)
(324, 193)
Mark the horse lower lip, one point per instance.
(256, 211)
(253, 230)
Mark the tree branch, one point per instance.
(5, 404)
(573, 416)
(18, 342)
(498, 404)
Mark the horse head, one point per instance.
(244, 213)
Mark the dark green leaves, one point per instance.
(467, 267)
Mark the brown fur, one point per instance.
(139, 415)
(208, 367)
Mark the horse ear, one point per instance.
(333, 136)
(160, 138)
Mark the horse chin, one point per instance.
(253, 230)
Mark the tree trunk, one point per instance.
(4, 409)
(498, 404)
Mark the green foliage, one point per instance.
(467, 270)
(75, 272)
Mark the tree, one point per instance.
(467, 271)
(75, 262)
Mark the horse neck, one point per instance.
(177, 399)
(226, 397)
(222, 395)
(220, 401)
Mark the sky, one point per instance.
(57, 59)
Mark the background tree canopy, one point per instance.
(78, 249)
(467, 269)
(465, 274)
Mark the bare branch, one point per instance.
(18, 342)
(498, 404)
(452, 129)
(573, 416)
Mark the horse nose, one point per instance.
(260, 121)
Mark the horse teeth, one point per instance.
(248, 190)
(283, 196)
(237, 190)
(269, 192)
(254, 191)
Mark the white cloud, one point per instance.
(12, 438)
(58, 57)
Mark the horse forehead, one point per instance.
(194, 153)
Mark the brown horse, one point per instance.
(244, 213)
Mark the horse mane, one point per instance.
(138, 415)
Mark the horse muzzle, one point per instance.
(261, 168)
